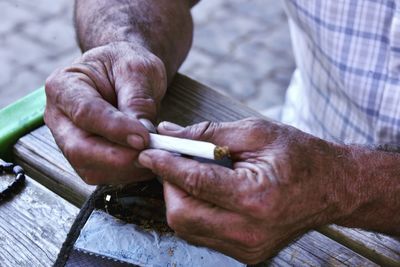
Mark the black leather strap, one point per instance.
(17, 184)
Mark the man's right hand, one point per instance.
(94, 107)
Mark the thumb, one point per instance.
(205, 131)
(140, 91)
(134, 100)
(242, 135)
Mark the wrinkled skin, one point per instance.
(94, 106)
(284, 181)
(275, 192)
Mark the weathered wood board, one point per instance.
(33, 226)
(41, 157)
(189, 102)
(380, 248)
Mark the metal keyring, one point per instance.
(10, 168)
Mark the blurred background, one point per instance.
(241, 48)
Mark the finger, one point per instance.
(210, 182)
(206, 225)
(82, 103)
(95, 159)
(186, 214)
(140, 85)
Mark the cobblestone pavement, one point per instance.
(241, 47)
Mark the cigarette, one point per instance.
(188, 147)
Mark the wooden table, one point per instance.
(33, 224)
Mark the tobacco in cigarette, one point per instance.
(188, 147)
(221, 152)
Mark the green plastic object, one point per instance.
(19, 119)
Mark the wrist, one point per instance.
(342, 187)
(347, 181)
(330, 168)
(164, 28)
(135, 40)
(319, 172)
(370, 188)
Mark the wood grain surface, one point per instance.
(33, 226)
(39, 155)
(380, 248)
(189, 102)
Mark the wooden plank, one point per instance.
(187, 102)
(380, 248)
(33, 226)
(314, 249)
(39, 155)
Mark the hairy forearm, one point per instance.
(164, 27)
(372, 188)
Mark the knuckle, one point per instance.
(255, 205)
(254, 248)
(154, 64)
(162, 167)
(54, 84)
(144, 64)
(204, 131)
(79, 110)
(151, 63)
(112, 128)
(254, 241)
(191, 183)
(143, 104)
(258, 128)
(47, 116)
(253, 198)
(103, 53)
(121, 160)
(193, 180)
(51, 83)
(255, 120)
(71, 151)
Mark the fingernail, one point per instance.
(145, 159)
(138, 165)
(169, 126)
(148, 125)
(136, 141)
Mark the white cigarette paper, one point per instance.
(188, 147)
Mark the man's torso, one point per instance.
(347, 86)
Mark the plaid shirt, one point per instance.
(347, 84)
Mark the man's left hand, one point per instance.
(283, 183)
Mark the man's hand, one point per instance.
(280, 187)
(283, 183)
(94, 106)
